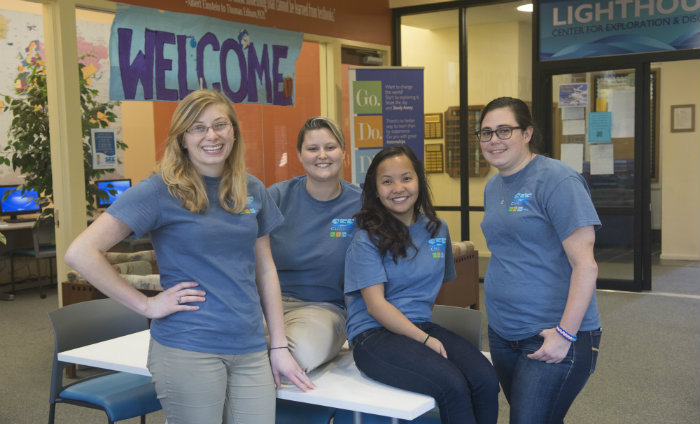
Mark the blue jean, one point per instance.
(538, 392)
(465, 386)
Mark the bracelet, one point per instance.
(279, 347)
(565, 334)
(426, 338)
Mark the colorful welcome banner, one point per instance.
(386, 107)
(163, 56)
(576, 29)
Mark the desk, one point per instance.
(339, 384)
(10, 226)
(17, 234)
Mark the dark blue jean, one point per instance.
(465, 386)
(538, 392)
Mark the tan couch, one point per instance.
(140, 269)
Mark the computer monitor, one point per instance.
(14, 201)
(113, 188)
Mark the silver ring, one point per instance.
(178, 300)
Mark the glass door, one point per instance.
(593, 129)
(470, 56)
(432, 41)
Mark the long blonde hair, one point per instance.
(179, 173)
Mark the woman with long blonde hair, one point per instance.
(209, 222)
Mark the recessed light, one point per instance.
(525, 8)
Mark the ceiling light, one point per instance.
(525, 8)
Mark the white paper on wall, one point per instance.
(572, 155)
(602, 159)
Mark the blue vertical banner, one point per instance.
(571, 29)
(386, 107)
(163, 56)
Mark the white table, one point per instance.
(127, 353)
(339, 384)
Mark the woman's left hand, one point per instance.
(554, 348)
(283, 363)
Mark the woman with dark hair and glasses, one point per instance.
(209, 222)
(539, 223)
(399, 258)
(309, 246)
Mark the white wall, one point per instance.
(680, 164)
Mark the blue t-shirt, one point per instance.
(411, 285)
(527, 217)
(215, 249)
(309, 247)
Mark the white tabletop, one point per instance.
(127, 353)
(339, 383)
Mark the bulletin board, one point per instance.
(605, 84)
(477, 166)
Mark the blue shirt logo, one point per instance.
(342, 227)
(437, 247)
(251, 207)
(520, 202)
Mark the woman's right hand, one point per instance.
(175, 299)
(437, 346)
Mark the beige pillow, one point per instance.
(134, 267)
(144, 282)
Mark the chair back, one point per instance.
(86, 323)
(461, 321)
(43, 236)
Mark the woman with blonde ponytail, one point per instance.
(209, 222)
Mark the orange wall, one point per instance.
(138, 125)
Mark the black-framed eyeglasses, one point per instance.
(219, 128)
(503, 133)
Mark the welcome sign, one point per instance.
(163, 56)
(576, 29)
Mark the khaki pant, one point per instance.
(204, 388)
(315, 331)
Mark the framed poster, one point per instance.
(104, 148)
(433, 158)
(433, 125)
(682, 118)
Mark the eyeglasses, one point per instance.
(503, 133)
(219, 128)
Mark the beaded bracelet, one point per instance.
(280, 347)
(565, 334)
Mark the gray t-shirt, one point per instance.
(214, 248)
(309, 247)
(411, 285)
(527, 216)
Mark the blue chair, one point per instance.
(289, 412)
(120, 395)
